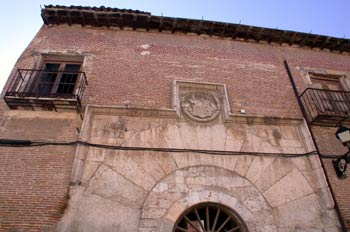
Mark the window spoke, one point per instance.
(209, 217)
(223, 224)
(215, 220)
(191, 223)
(198, 218)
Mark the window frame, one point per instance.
(62, 61)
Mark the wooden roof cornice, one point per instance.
(114, 17)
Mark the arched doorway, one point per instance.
(209, 217)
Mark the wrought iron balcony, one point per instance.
(43, 89)
(326, 107)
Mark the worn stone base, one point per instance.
(120, 190)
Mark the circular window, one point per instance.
(208, 217)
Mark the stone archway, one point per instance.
(209, 216)
(189, 186)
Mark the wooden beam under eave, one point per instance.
(280, 40)
(160, 28)
(325, 42)
(57, 19)
(247, 33)
(108, 20)
(314, 41)
(148, 23)
(271, 36)
(302, 42)
(257, 38)
(336, 47)
(174, 25)
(121, 26)
(82, 18)
(212, 26)
(69, 18)
(134, 20)
(291, 41)
(224, 30)
(43, 16)
(236, 31)
(96, 18)
(199, 28)
(186, 27)
(345, 47)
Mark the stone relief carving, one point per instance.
(200, 106)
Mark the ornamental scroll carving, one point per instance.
(200, 106)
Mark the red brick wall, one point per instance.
(34, 180)
(341, 191)
(254, 73)
(118, 74)
(34, 186)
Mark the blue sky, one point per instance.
(20, 20)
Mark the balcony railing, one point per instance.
(43, 89)
(326, 107)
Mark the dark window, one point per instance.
(68, 78)
(209, 217)
(333, 100)
(57, 77)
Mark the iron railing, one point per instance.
(39, 88)
(326, 107)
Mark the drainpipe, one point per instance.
(314, 141)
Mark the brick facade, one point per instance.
(137, 69)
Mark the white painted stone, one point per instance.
(218, 137)
(95, 154)
(153, 212)
(242, 165)
(147, 229)
(193, 159)
(189, 136)
(165, 160)
(109, 184)
(326, 199)
(181, 159)
(257, 168)
(145, 53)
(145, 46)
(266, 228)
(205, 137)
(308, 213)
(302, 163)
(316, 178)
(149, 164)
(315, 162)
(289, 188)
(149, 223)
(263, 217)
(126, 165)
(231, 182)
(174, 212)
(88, 217)
(90, 168)
(161, 187)
(330, 220)
(172, 136)
(276, 171)
(234, 139)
